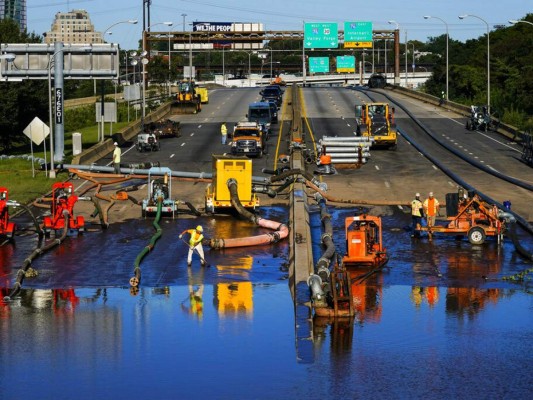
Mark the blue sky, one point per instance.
(288, 14)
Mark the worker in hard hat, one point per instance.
(431, 208)
(417, 212)
(195, 244)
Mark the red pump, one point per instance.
(63, 201)
(7, 228)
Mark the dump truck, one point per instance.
(376, 120)
(164, 128)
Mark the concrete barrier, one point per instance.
(126, 134)
(509, 131)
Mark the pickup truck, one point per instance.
(248, 139)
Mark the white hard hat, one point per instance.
(430, 194)
(116, 144)
(417, 195)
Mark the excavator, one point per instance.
(376, 120)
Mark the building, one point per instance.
(15, 10)
(73, 27)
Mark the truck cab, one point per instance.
(248, 139)
(261, 113)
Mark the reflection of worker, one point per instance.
(431, 208)
(116, 158)
(224, 132)
(195, 243)
(196, 292)
(417, 211)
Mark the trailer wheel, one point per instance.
(476, 235)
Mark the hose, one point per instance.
(33, 218)
(21, 274)
(281, 230)
(135, 280)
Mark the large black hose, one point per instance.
(236, 203)
(322, 266)
(521, 249)
(21, 274)
(135, 280)
(38, 228)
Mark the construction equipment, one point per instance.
(187, 101)
(217, 194)
(376, 120)
(203, 93)
(62, 209)
(470, 216)
(164, 128)
(248, 139)
(364, 247)
(7, 228)
(147, 142)
(479, 119)
(159, 190)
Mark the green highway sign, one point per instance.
(318, 64)
(345, 64)
(357, 34)
(321, 35)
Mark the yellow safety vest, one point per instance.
(195, 237)
(416, 205)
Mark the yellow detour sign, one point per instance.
(357, 45)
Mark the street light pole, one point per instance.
(488, 55)
(447, 59)
(413, 66)
(514, 21)
(396, 52)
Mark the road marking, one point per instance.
(503, 144)
(451, 183)
(192, 134)
(183, 144)
(199, 126)
(435, 168)
(387, 185)
(172, 155)
(377, 167)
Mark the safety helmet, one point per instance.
(417, 195)
(199, 228)
(430, 194)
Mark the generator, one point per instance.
(364, 247)
(159, 190)
(225, 167)
(63, 201)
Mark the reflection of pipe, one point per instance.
(136, 278)
(21, 274)
(281, 230)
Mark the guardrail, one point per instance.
(509, 131)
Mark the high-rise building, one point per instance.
(73, 27)
(15, 10)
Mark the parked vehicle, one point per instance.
(261, 113)
(147, 142)
(248, 139)
(479, 119)
(376, 120)
(271, 93)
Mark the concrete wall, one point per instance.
(126, 134)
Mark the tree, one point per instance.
(22, 101)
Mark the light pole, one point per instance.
(396, 51)
(412, 44)
(447, 40)
(488, 55)
(128, 21)
(514, 21)
(249, 65)
(169, 24)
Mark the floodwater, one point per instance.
(228, 331)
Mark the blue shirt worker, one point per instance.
(195, 243)
(417, 211)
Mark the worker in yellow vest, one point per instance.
(431, 208)
(195, 244)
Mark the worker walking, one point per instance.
(224, 132)
(417, 212)
(431, 208)
(116, 158)
(195, 243)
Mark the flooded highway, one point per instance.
(437, 322)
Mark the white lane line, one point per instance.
(199, 126)
(172, 155)
(377, 167)
(387, 185)
(192, 134)
(183, 144)
(503, 144)
(435, 168)
(451, 183)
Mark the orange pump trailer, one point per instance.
(364, 242)
(475, 218)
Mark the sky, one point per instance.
(288, 15)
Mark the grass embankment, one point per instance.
(17, 176)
